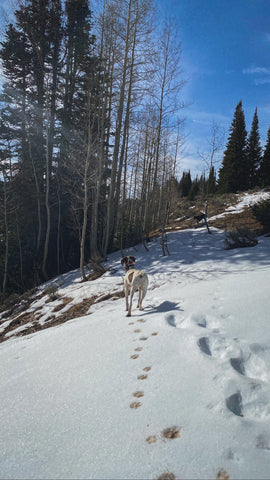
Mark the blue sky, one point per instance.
(226, 58)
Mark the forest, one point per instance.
(91, 127)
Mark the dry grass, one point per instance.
(75, 311)
(65, 301)
(111, 296)
(185, 210)
(171, 432)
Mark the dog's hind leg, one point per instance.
(140, 299)
(130, 302)
(126, 301)
(143, 293)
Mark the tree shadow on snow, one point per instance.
(164, 307)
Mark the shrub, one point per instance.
(51, 291)
(239, 238)
(261, 211)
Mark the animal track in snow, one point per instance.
(171, 320)
(135, 405)
(238, 365)
(263, 441)
(147, 369)
(199, 319)
(251, 398)
(138, 349)
(234, 404)
(251, 401)
(138, 394)
(151, 439)
(141, 320)
(203, 343)
(154, 334)
(142, 377)
(137, 330)
(134, 356)
(143, 338)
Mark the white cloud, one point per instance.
(256, 70)
(262, 81)
(206, 118)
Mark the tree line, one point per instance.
(89, 133)
(245, 164)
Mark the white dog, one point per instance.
(135, 280)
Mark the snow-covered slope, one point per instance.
(92, 398)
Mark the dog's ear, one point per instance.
(132, 258)
(123, 260)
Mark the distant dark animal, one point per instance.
(134, 281)
(200, 217)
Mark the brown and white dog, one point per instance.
(134, 281)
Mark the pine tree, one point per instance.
(194, 190)
(264, 171)
(233, 174)
(254, 152)
(211, 183)
(185, 184)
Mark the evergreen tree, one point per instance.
(254, 152)
(233, 174)
(211, 183)
(185, 184)
(194, 190)
(264, 171)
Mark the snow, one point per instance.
(244, 200)
(66, 391)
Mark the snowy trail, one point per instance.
(92, 398)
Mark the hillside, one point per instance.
(182, 388)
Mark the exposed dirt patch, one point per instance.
(75, 311)
(65, 301)
(94, 275)
(112, 295)
(18, 321)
